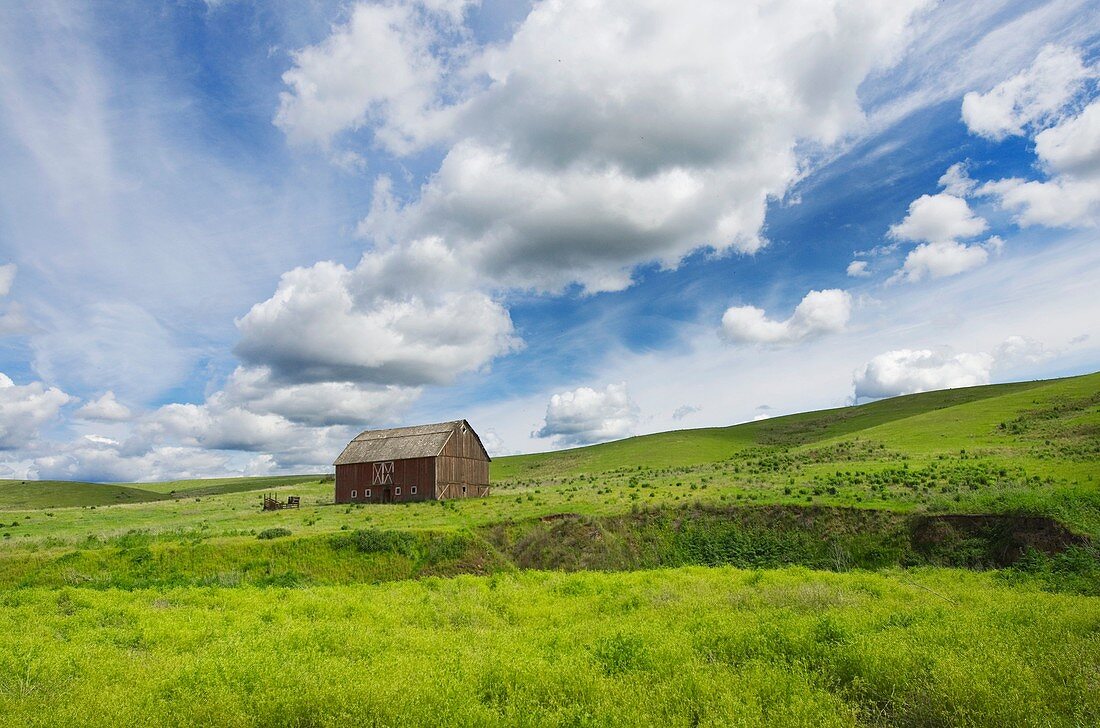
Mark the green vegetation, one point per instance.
(185, 603)
(34, 494)
(38, 494)
(672, 647)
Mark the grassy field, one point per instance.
(676, 647)
(1015, 448)
(786, 572)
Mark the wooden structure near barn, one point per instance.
(424, 462)
(272, 502)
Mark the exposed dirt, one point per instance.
(764, 536)
(1006, 537)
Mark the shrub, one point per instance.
(269, 533)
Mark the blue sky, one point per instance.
(234, 233)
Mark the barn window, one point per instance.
(464, 490)
(353, 494)
(366, 493)
(412, 490)
(397, 490)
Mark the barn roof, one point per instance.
(400, 443)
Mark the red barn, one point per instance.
(423, 462)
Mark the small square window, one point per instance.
(353, 493)
(397, 490)
(412, 490)
(366, 493)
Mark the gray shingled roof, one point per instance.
(398, 443)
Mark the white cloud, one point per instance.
(584, 415)
(956, 181)
(24, 409)
(1018, 351)
(819, 312)
(100, 459)
(937, 219)
(1070, 152)
(316, 404)
(602, 135)
(1067, 144)
(105, 409)
(406, 316)
(1031, 98)
(1072, 148)
(377, 69)
(907, 371)
(940, 259)
(858, 269)
(1057, 203)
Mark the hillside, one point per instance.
(816, 569)
(38, 494)
(33, 494)
(972, 411)
(1017, 448)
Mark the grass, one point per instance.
(37, 494)
(671, 647)
(184, 603)
(1017, 448)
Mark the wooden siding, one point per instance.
(454, 473)
(457, 468)
(359, 478)
(464, 445)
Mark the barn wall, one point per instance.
(453, 473)
(358, 478)
(464, 445)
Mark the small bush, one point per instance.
(269, 533)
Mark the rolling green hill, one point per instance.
(927, 422)
(39, 494)
(186, 603)
(35, 494)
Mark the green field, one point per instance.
(923, 560)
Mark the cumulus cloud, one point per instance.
(105, 409)
(1067, 145)
(1031, 98)
(26, 408)
(376, 69)
(401, 317)
(858, 269)
(602, 135)
(819, 312)
(956, 181)
(1070, 153)
(907, 371)
(948, 258)
(938, 218)
(102, 459)
(584, 415)
(315, 404)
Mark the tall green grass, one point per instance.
(713, 647)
